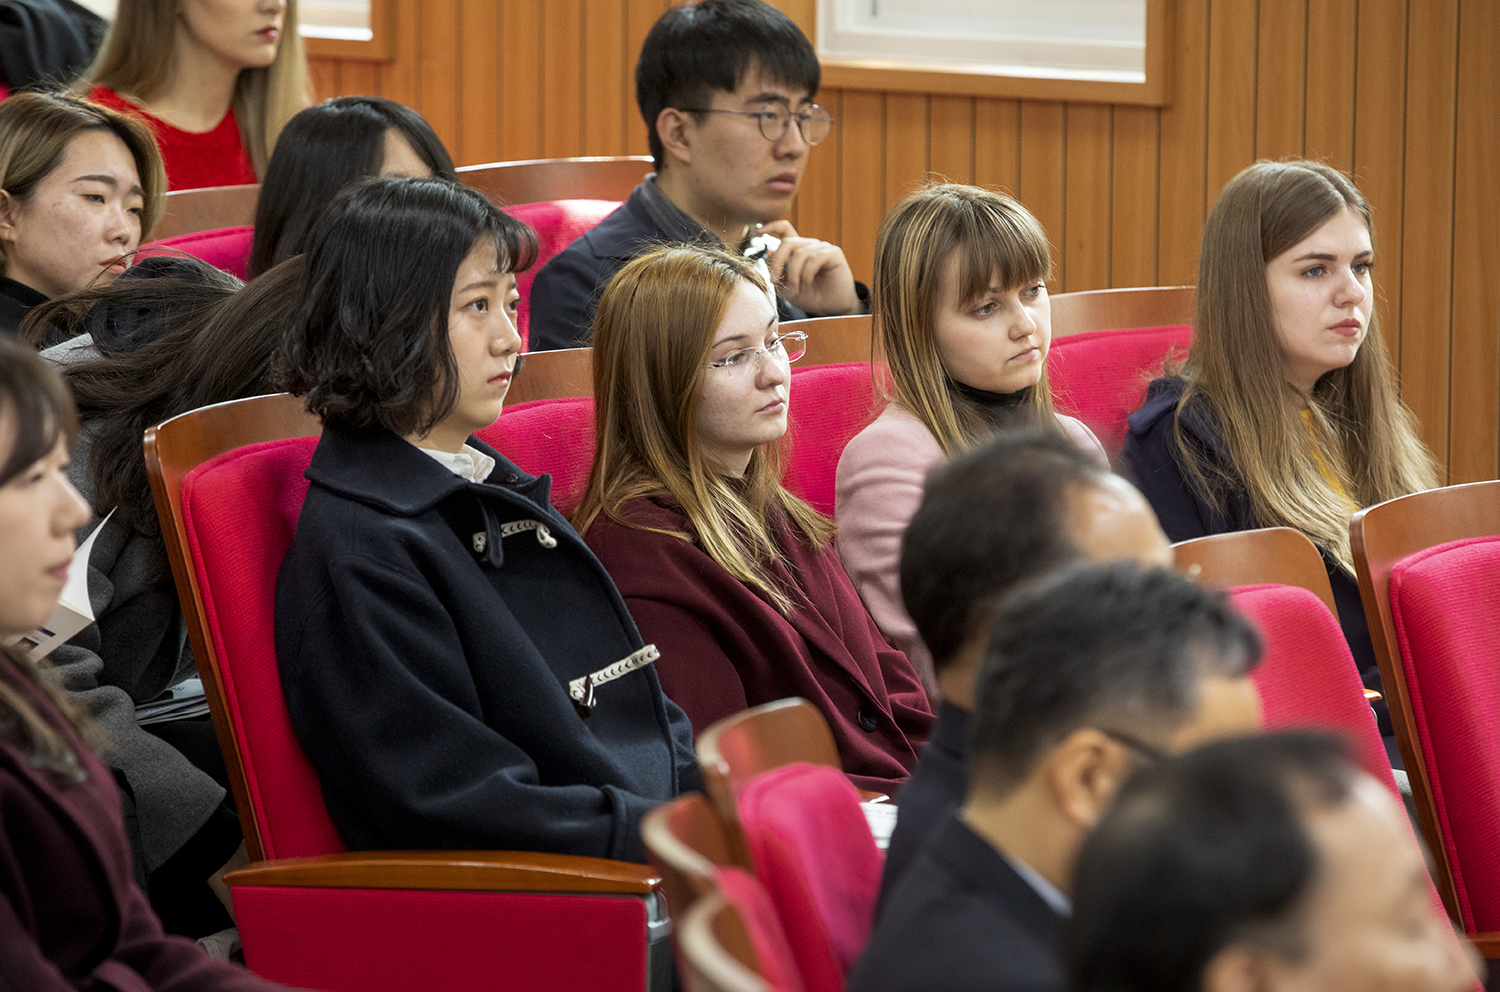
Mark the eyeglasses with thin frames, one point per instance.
(814, 123)
(1130, 742)
(786, 349)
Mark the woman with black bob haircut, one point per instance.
(324, 148)
(457, 664)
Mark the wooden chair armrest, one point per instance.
(866, 796)
(1488, 945)
(486, 871)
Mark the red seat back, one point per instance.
(774, 961)
(1308, 678)
(557, 223)
(240, 514)
(227, 248)
(553, 435)
(829, 405)
(813, 851)
(1446, 606)
(1100, 377)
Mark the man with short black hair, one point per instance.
(1022, 505)
(726, 88)
(1090, 673)
(1265, 863)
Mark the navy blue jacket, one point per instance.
(1149, 458)
(936, 788)
(427, 631)
(566, 290)
(961, 919)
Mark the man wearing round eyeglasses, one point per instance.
(726, 88)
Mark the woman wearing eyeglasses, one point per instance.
(733, 578)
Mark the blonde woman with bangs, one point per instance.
(732, 577)
(960, 303)
(1286, 411)
(214, 79)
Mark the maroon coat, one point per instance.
(71, 915)
(725, 647)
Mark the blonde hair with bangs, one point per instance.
(1361, 432)
(136, 62)
(980, 233)
(653, 332)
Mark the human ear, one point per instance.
(675, 131)
(1087, 769)
(9, 206)
(1237, 968)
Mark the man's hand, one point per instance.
(811, 274)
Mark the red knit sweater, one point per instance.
(212, 158)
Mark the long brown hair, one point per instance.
(35, 129)
(34, 398)
(1361, 432)
(653, 333)
(983, 232)
(135, 61)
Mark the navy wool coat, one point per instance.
(1149, 459)
(428, 629)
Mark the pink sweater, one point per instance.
(878, 489)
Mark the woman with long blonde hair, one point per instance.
(1286, 411)
(960, 303)
(734, 578)
(215, 79)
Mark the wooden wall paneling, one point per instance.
(639, 16)
(397, 80)
(521, 64)
(562, 79)
(1474, 446)
(1380, 146)
(1088, 183)
(1183, 131)
(906, 140)
(816, 212)
(1426, 276)
(1042, 184)
(997, 143)
(1134, 196)
(1329, 115)
(1281, 71)
(861, 178)
(438, 67)
(479, 53)
(359, 79)
(325, 77)
(950, 154)
(606, 90)
(1232, 33)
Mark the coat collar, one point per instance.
(1197, 418)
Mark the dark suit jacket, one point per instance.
(567, 289)
(936, 788)
(961, 919)
(1150, 459)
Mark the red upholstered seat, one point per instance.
(227, 248)
(1100, 377)
(553, 435)
(829, 405)
(1445, 601)
(557, 223)
(1307, 677)
(773, 953)
(813, 851)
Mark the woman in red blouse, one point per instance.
(215, 80)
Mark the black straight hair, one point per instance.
(989, 519)
(222, 352)
(1116, 646)
(368, 346)
(1201, 852)
(697, 48)
(320, 151)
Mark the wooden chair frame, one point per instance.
(834, 340)
(550, 375)
(1117, 309)
(189, 211)
(1381, 536)
(172, 449)
(715, 949)
(1278, 555)
(687, 842)
(535, 180)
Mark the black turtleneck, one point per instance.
(1000, 409)
(16, 301)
